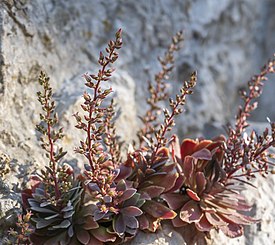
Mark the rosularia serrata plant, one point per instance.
(196, 183)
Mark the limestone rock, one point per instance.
(166, 236)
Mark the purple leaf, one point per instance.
(98, 215)
(177, 222)
(153, 191)
(201, 182)
(203, 225)
(131, 222)
(158, 210)
(187, 147)
(133, 200)
(174, 200)
(83, 236)
(178, 184)
(193, 195)
(203, 154)
(90, 224)
(121, 185)
(131, 211)
(143, 222)
(119, 224)
(124, 173)
(214, 219)
(102, 235)
(191, 212)
(232, 230)
(127, 194)
(188, 167)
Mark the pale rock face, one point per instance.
(166, 236)
(226, 41)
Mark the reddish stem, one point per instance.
(52, 158)
(92, 108)
(166, 127)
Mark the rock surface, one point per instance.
(226, 41)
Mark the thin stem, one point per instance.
(52, 158)
(91, 109)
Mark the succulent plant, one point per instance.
(117, 210)
(204, 196)
(195, 184)
(151, 180)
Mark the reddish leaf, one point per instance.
(203, 224)
(201, 182)
(124, 173)
(174, 200)
(121, 185)
(179, 183)
(214, 219)
(102, 235)
(83, 236)
(177, 222)
(153, 191)
(94, 241)
(188, 167)
(232, 230)
(191, 212)
(163, 152)
(131, 222)
(157, 210)
(127, 194)
(90, 224)
(25, 195)
(202, 144)
(131, 211)
(166, 180)
(238, 218)
(193, 195)
(143, 222)
(119, 225)
(187, 148)
(203, 154)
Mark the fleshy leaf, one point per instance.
(158, 210)
(119, 224)
(153, 191)
(232, 230)
(83, 236)
(174, 200)
(102, 235)
(63, 225)
(177, 222)
(214, 219)
(191, 212)
(188, 167)
(90, 224)
(143, 222)
(178, 184)
(203, 154)
(131, 211)
(131, 222)
(187, 147)
(193, 195)
(201, 182)
(203, 224)
(127, 194)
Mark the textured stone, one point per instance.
(165, 236)
(226, 41)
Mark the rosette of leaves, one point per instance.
(151, 180)
(117, 210)
(204, 196)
